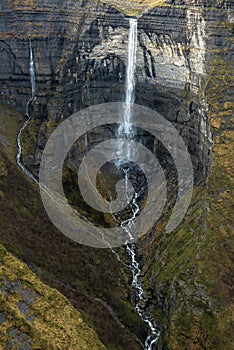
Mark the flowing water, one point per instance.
(125, 130)
(130, 83)
(32, 98)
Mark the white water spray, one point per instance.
(32, 98)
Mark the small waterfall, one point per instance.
(125, 130)
(32, 98)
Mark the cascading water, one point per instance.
(145, 315)
(32, 98)
(125, 130)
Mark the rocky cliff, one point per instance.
(184, 71)
(80, 55)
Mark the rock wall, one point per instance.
(80, 51)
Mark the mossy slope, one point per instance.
(82, 274)
(191, 269)
(35, 316)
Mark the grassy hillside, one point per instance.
(82, 274)
(35, 316)
(32, 314)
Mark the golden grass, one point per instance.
(134, 8)
(55, 320)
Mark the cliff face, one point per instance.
(184, 68)
(80, 52)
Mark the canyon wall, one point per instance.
(80, 52)
(184, 69)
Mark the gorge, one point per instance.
(184, 70)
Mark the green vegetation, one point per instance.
(189, 269)
(192, 267)
(36, 315)
(81, 273)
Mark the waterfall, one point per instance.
(125, 130)
(31, 99)
(32, 71)
(130, 78)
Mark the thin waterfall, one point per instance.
(31, 99)
(130, 79)
(32, 71)
(131, 72)
(125, 130)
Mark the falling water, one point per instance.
(32, 98)
(125, 130)
(32, 71)
(130, 78)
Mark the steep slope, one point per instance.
(82, 274)
(35, 316)
(191, 270)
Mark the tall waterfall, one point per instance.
(31, 99)
(125, 130)
(32, 71)
(130, 78)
